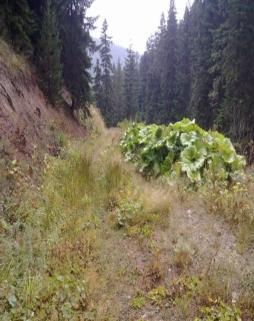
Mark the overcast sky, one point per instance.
(132, 21)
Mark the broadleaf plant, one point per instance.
(160, 150)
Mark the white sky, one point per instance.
(132, 21)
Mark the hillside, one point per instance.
(25, 114)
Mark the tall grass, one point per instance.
(50, 266)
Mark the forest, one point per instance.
(200, 67)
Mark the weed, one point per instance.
(138, 302)
(189, 285)
(235, 205)
(62, 140)
(126, 214)
(95, 124)
(219, 311)
(9, 58)
(157, 295)
(183, 255)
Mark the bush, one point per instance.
(181, 148)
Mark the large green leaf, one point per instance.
(192, 160)
(188, 139)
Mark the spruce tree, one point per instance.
(131, 86)
(106, 105)
(18, 24)
(203, 22)
(237, 52)
(118, 98)
(151, 70)
(50, 53)
(183, 67)
(144, 86)
(169, 60)
(97, 84)
(76, 43)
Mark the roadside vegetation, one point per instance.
(92, 239)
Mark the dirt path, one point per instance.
(193, 243)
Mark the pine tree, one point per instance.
(131, 86)
(106, 104)
(50, 53)
(169, 60)
(183, 67)
(203, 22)
(18, 24)
(118, 98)
(237, 68)
(97, 84)
(76, 43)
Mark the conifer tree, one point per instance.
(151, 70)
(18, 24)
(237, 69)
(97, 84)
(131, 85)
(118, 98)
(169, 60)
(183, 67)
(203, 22)
(76, 43)
(50, 53)
(106, 105)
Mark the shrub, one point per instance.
(181, 148)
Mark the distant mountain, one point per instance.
(116, 51)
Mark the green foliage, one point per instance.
(157, 295)
(127, 212)
(202, 68)
(219, 311)
(138, 302)
(76, 43)
(62, 140)
(50, 53)
(181, 148)
(17, 23)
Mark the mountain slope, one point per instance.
(25, 115)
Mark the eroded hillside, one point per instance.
(25, 116)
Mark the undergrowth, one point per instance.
(9, 58)
(52, 242)
(64, 242)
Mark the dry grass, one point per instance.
(183, 256)
(11, 60)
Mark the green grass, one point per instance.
(52, 243)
